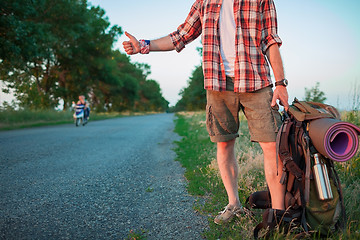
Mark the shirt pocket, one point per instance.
(250, 22)
(211, 11)
(250, 13)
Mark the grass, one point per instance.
(137, 234)
(198, 155)
(11, 119)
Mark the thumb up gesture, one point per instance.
(132, 46)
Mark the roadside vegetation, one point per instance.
(197, 154)
(11, 119)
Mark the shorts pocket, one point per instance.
(209, 120)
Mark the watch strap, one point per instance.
(282, 82)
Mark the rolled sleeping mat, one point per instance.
(335, 139)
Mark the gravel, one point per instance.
(95, 182)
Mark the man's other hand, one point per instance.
(281, 93)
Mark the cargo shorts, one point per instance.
(222, 115)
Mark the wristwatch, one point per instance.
(283, 82)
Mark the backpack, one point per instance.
(305, 213)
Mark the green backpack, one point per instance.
(305, 213)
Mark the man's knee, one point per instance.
(224, 146)
(268, 147)
(269, 150)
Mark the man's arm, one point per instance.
(280, 92)
(133, 45)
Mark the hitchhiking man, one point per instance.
(239, 37)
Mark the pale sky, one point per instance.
(321, 43)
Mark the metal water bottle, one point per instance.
(327, 181)
(322, 181)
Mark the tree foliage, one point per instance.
(314, 94)
(193, 97)
(54, 50)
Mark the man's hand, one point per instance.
(281, 93)
(132, 46)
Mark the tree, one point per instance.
(193, 97)
(151, 98)
(315, 94)
(52, 51)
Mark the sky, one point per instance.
(321, 43)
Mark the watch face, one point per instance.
(285, 81)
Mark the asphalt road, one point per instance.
(95, 182)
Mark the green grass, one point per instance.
(192, 154)
(137, 234)
(198, 155)
(11, 119)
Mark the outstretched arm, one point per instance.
(132, 46)
(280, 92)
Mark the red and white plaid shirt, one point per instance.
(256, 30)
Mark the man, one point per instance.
(238, 37)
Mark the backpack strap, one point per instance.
(298, 114)
(285, 154)
(269, 221)
(305, 193)
(273, 217)
(278, 136)
(306, 149)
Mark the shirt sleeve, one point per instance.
(189, 30)
(269, 21)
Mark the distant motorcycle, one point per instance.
(79, 115)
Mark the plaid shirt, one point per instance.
(256, 30)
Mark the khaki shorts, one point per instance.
(222, 115)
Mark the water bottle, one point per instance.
(321, 177)
(327, 181)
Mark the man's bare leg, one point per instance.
(229, 170)
(277, 190)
